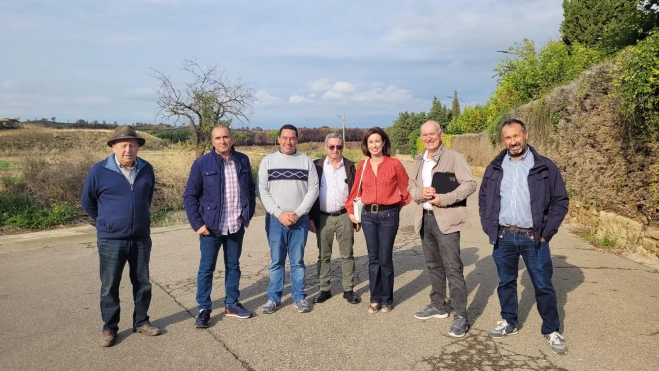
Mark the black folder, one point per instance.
(446, 183)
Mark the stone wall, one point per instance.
(612, 177)
(626, 233)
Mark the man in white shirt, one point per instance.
(439, 219)
(329, 218)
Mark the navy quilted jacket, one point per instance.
(549, 198)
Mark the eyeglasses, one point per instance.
(338, 148)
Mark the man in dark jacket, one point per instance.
(328, 218)
(117, 194)
(220, 199)
(522, 202)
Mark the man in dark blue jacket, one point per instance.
(522, 202)
(117, 195)
(219, 199)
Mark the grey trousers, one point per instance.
(341, 226)
(442, 254)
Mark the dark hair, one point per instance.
(513, 121)
(385, 141)
(289, 127)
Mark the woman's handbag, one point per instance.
(357, 202)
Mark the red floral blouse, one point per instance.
(389, 187)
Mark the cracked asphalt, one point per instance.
(49, 287)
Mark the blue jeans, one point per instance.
(380, 232)
(537, 258)
(113, 255)
(286, 240)
(210, 249)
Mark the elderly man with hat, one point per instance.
(117, 195)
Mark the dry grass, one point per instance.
(51, 165)
(172, 168)
(46, 141)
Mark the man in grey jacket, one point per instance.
(439, 218)
(288, 188)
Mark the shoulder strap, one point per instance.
(359, 190)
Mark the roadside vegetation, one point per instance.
(42, 172)
(622, 32)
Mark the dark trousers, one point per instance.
(209, 246)
(380, 232)
(113, 255)
(537, 258)
(442, 254)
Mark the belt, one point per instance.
(375, 208)
(428, 212)
(336, 213)
(515, 229)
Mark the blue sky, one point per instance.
(309, 61)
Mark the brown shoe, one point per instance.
(147, 329)
(109, 338)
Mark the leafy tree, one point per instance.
(439, 113)
(399, 131)
(608, 24)
(273, 136)
(412, 139)
(209, 99)
(455, 106)
(473, 119)
(53, 119)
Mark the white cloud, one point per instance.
(389, 94)
(319, 85)
(339, 90)
(265, 99)
(297, 99)
(343, 87)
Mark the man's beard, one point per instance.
(522, 151)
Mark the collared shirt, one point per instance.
(130, 174)
(230, 217)
(426, 175)
(515, 195)
(333, 187)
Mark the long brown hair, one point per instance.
(386, 143)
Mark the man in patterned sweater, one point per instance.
(288, 188)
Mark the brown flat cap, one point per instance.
(125, 132)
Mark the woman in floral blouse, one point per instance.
(384, 192)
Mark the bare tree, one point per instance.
(210, 98)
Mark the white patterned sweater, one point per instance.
(287, 183)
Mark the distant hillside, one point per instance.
(35, 138)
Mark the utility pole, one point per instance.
(343, 123)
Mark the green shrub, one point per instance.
(473, 119)
(35, 217)
(12, 204)
(446, 139)
(412, 141)
(636, 84)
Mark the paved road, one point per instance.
(50, 318)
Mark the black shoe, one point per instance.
(203, 319)
(322, 296)
(351, 297)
